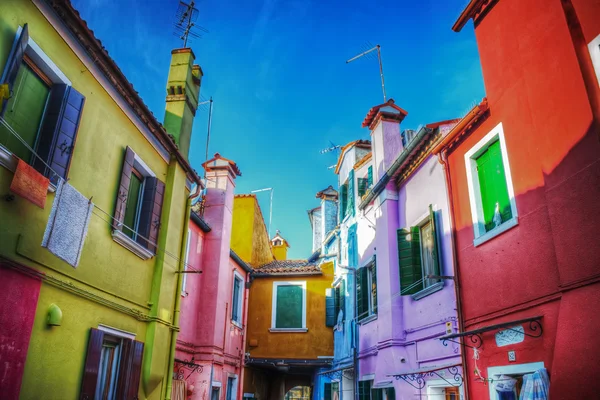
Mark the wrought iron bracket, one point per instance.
(475, 340)
(181, 366)
(418, 379)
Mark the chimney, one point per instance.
(316, 224)
(384, 123)
(279, 246)
(183, 91)
(218, 207)
(329, 212)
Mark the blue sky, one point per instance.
(282, 90)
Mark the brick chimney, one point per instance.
(183, 91)
(384, 123)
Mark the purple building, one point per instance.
(405, 293)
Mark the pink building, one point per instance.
(210, 345)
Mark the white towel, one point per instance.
(68, 224)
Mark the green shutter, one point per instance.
(289, 307)
(377, 394)
(330, 308)
(436, 256)
(364, 390)
(370, 176)
(343, 297)
(350, 205)
(492, 184)
(343, 201)
(336, 300)
(335, 388)
(409, 257)
(373, 269)
(362, 185)
(362, 291)
(391, 393)
(327, 391)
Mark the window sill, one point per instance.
(496, 231)
(368, 319)
(8, 161)
(288, 330)
(132, 245)
(236, 324)
(436, 287)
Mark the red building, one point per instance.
(523, 171)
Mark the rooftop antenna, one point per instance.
(270, 206)
(367, 52)
(185, 26)
(333, 147)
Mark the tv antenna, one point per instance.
(185, 26)
(368, 52)
(333, 147)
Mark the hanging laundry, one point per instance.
(30, 184)
(68, 224)
(536, 386)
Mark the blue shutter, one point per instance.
(329, 308)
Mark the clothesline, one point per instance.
(110, 223)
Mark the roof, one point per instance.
(218, 162)
(327, 192)
(463, 125)
(365, 144)
(80, 30)
(388, 110)
(245, 266)
(288, 267)
(476, 9)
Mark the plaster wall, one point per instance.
(317, 228)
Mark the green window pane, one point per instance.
(24, 112)
(236, 298)
(289, 307)
(493, 187)
(131, 209)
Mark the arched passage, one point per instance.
(298, 393)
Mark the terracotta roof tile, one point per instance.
(288, 267)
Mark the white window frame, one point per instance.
(371, 313)
(235, 387)
(45, 64)
(481, 236)
(435, 385)
(594, 48)
(514, 369)
(185, 263)
(276, 285)
(240, 305)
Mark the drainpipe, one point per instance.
(177, 309)
(443, 159)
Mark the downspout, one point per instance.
(443, 159)
(177, 309)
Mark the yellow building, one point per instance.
(99, 316)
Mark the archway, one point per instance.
(298, 393)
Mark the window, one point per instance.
(231, 388)
(335, 302)
(418, 257)
(510, 380)
(112, 366)
(366, 391)
(43, 112)
(277, 242)
(493, 207)
(238, 298)
(347, 197)
(331, 391)
(366, 291)
(138, 207)
(185, 264)
(289, 306)
(216, 393)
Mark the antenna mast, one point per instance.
(185, 26)
(364, 53)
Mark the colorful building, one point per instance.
(405, 292)
(523, 169)
(287, 337)
(210, 345)
(103, 322)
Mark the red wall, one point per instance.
(18, 296)
(540, 86)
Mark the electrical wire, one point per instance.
(113, 220)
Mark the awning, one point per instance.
(417, 378)
(535, 326)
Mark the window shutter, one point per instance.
(92, 364)
(123, 189)
(391, 393)
(360, 295)
(436, 256)
(370, 176)
(330, 308)
(125, 365)
(135, 371)
(377, 394)
(58, 131)
(343, 297)
(373, 269)
(352, 247)
(362, 186)
(150, 213)
(350, 206)
(327, 391)
(289, 307)
(409, 259)
(492, 184)
(14, 62)
(343, 198)
(364, 390)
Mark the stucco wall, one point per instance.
(249, 237)
(318, 341)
